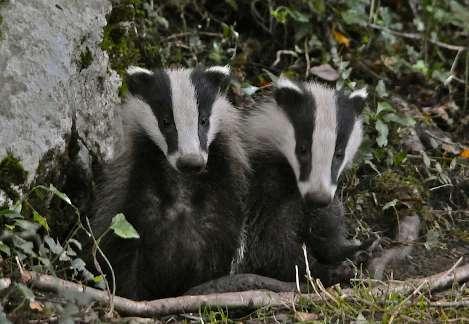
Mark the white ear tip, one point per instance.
(283, 83)
(226, 70)
(136, 69)
(359, 93)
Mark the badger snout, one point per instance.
(191, 163)
(318, 199)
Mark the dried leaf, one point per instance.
(325, 72)
(306, 317)
(341, 38)
(464, 153)
(34, 305)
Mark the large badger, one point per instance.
(180, 181)
(300, 142)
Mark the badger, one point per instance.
(300, 141)
(180, 180)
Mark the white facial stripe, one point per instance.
(216, 119)
(139, 115)
(353, 144)
(136, 69)
(359, 93)
(185, 112)
(269, 128)
(324, 138)
(285, 83)
(220, 69)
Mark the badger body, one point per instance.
(299, 143)
(180, 181)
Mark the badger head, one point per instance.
(180, 110)
(317, 129)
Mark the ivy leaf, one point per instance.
(78, 264)
(123, 228)
(40, 220)
(383, 132)
(404, 121)
(5, 249)
(59, 194)
(384, 106)
(381, 89)
(56, 248)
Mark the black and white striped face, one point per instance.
(181, 110)
(317, 129)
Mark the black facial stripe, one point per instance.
(160, 100)
(206, 92)
(300, 110)
(155, 90)
(346, 117)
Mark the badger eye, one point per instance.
(339, 154)
(204, 121)
(166, 123)
(303, 149)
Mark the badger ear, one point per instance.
(219, 75)
(138, 80)
(286, 92)
(357, 99)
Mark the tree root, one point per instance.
(246, 299)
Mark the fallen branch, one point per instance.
(249, 299)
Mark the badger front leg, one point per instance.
(325, 236)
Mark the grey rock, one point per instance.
(44, 89)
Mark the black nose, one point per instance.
(318, 199)
(190, 163)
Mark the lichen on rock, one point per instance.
(56, 80)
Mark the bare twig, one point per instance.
(419, 37)
(96, 247)
(279, 54)
(461, 303)
(251, 299)
(179, 35)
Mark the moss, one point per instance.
(11, 174)
(1, 21)
(2, 2)
(86, 58)
(119, 41)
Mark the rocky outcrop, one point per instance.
(57, 92)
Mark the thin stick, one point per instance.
(461, 303)
(419, 37)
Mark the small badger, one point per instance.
(299, 144)
(180, 181)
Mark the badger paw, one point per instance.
(368, 250)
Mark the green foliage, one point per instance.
(26, 240)
(123, 228)
(11, 174)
